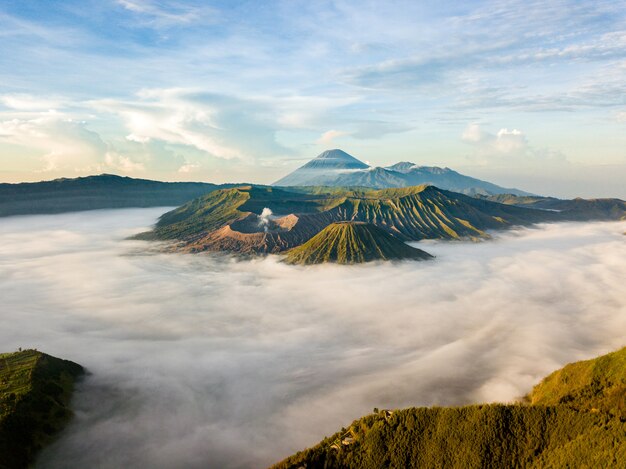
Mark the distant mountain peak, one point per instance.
(335, 153)
(335, 159)
(402, 166)
(316, 171)
(337, 168)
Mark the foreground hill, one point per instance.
(576, 417)
(232, 220)
(35, 390)
(95, 192)
(352, 243)
(338, 168)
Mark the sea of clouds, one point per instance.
(206, 361)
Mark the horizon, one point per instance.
(182, 91)
(264, 184)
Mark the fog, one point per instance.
(207, 361)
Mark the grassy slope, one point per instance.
(35, 389)
(411, 213)
(598, 384)
(350, 243)
(425, 212)
(205, 213)
(222, 207)
(575, 419)
(408, 213)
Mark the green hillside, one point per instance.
(574, 418)
(229, 219)
(351, 243)
(35, 390)
(426, 212)
(590, 385)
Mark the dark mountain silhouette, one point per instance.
(96, 192)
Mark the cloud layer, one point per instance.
(204, 361)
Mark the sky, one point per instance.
(526, 93)
(206, 361)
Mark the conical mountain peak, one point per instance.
(337, 168)
(335, 159)
(353, 243)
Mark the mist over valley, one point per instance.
(207, 360)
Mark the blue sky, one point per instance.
(523, 93)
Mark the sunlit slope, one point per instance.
(229, 220)
(223, 207)
(426, 212)
(590, 385)
(35, 390)
(352, 243)
(575, 419)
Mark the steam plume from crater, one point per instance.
(264, 218)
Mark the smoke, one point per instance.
(264, 218)
(207, 361)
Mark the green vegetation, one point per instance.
(597, 385)
(426, 212)
(350, 243)
(574, 418)
(205, 213)
(224, 207)
(409, 214)
(229, 219)
(35, 390)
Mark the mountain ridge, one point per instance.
(232, 220)
(331, 168)
(96, 192)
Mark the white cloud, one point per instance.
(223, 360)
(26, 102)
(506, 146)
(504, 142)
(329, 136)
(122, 163)
(473, 134)
(189, 168)
(221, 126)
(508, 141)
(306, 111)
(166, 14)
(64, 143)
